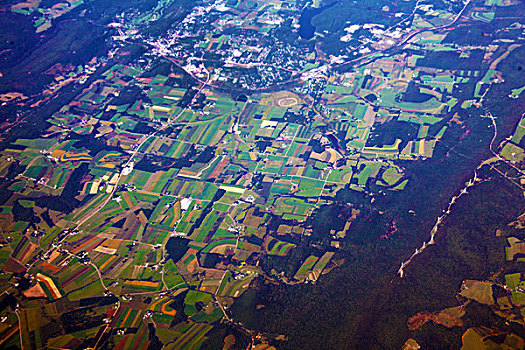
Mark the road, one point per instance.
(206, 83)
(329, 66)
(137, 149)
(439, 221)
(464, 190)
(78, 224)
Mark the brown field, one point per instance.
(58, 153)
(264, 347)
(13, 265)
(28, 253)
(192, 266)
(107, 166)
(111, 243)
(411, 344)
(11, 96)
(107, 262)
(85, 244)
(49, 267)
(478, 290)
(152, 306)
(212, 289)
(330, 156)
(221, 249)
(50, 285)
(449, 318)
(166, 311)
(29, 5)
(64, 156)
(142, 283)
(35, 292)
(252, 220)
(53, 256)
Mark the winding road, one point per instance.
(464, 191)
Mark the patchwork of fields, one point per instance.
(192, 165)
